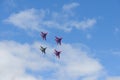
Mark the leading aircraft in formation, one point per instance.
(43, 35)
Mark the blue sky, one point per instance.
(90, 29)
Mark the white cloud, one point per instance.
(28, 19)
(70, 6)
(68, 25)
(38, 20)
(15, 59)
(84, 24)
(113, 78)
(77, 63)
(74, 63)
(91, 77)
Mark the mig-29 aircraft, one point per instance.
(58, 40)
(43, 35)
(43, 49)
(57, 53)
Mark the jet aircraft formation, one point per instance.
(58, 42)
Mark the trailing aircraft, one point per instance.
(57, 53)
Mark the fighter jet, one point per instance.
(43, 49)
(58, 40)
(57, 53)
(43, 35)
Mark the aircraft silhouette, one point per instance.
(58, 40)
(43, 49)
(43, 35)
(57, 53)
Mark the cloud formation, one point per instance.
(34, 19)
(68, 7)
(114, 78)
(27, 20)
(22, 61)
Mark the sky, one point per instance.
(90, 47)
